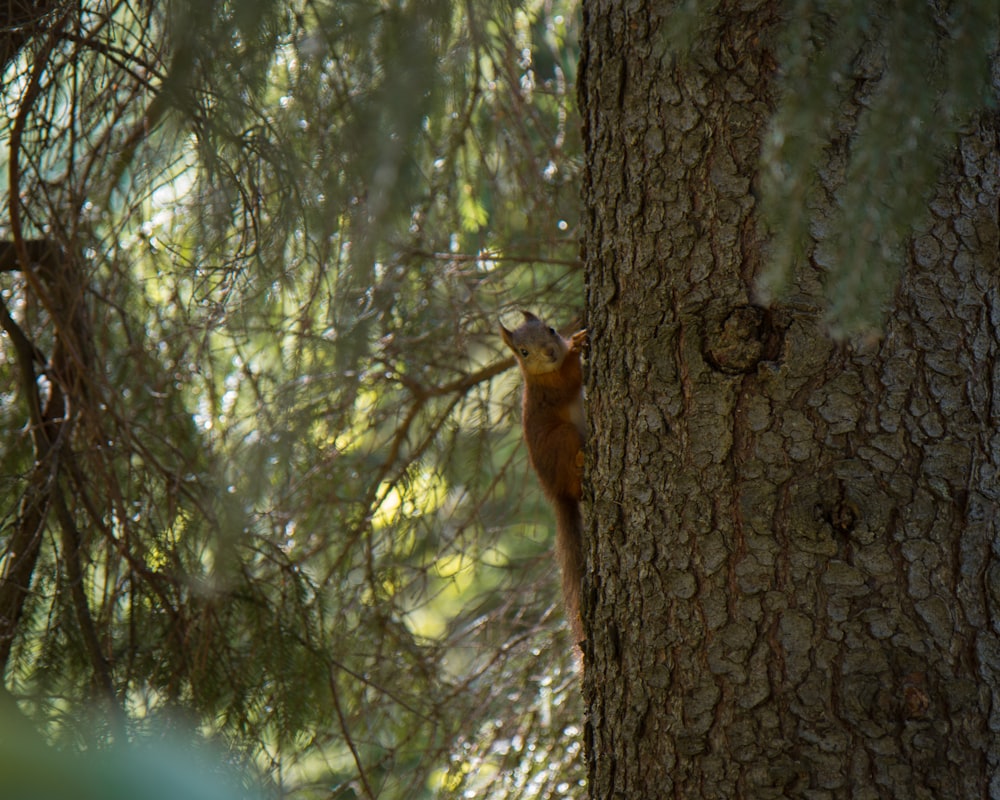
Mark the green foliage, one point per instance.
(291, 467)
(910, 74)
(256, 415)
(915, 71)
(159, 765)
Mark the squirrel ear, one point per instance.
(528, 316)
(506, 335)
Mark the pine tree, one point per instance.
(262, 469)
(792, 240)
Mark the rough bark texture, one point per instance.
(794, 585)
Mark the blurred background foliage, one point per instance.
(873, 96)
(261, 461)
(870, 97)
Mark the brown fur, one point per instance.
(554, 432)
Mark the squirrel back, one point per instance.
(554, 428)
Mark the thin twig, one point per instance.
(347, 737)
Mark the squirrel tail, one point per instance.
(569, 547)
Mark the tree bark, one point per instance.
(793, 585)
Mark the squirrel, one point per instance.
(554, 430)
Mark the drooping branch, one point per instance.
(24, 542)
(48, 418)
(72, 543)
(19, 21)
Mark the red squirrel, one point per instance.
(554, 429)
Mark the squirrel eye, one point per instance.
(524, 352)
(553, 331)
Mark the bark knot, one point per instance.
(737, 341)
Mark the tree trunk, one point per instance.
(793, 585)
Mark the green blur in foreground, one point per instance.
(157, 767)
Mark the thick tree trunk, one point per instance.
(794, 584)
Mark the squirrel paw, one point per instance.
(578, 340)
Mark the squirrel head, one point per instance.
(537, 347)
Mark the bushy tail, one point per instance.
(569, 549)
